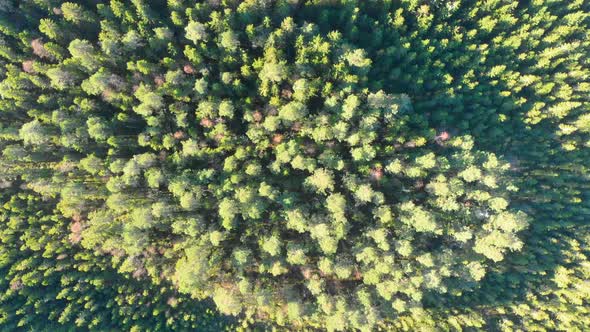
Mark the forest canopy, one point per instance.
(330, 165)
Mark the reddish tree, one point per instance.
(179, 134)
(76, 231)
(257, 116)
(277, 138)
(443, 136)
(159, 80)
(28, 66)
(188, 69)
(207, 123)
(39, 48)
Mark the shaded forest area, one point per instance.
(321, 164)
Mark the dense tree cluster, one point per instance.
(48, 283)
(340, 165)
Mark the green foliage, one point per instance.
(337, 165)
(51, 283)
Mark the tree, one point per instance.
(321, 180)
(84, 51)
(229, 40)
(63, 77)
(35, 133)
(75, 13)
(196, 32)
(293, 111)
(273, 72)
